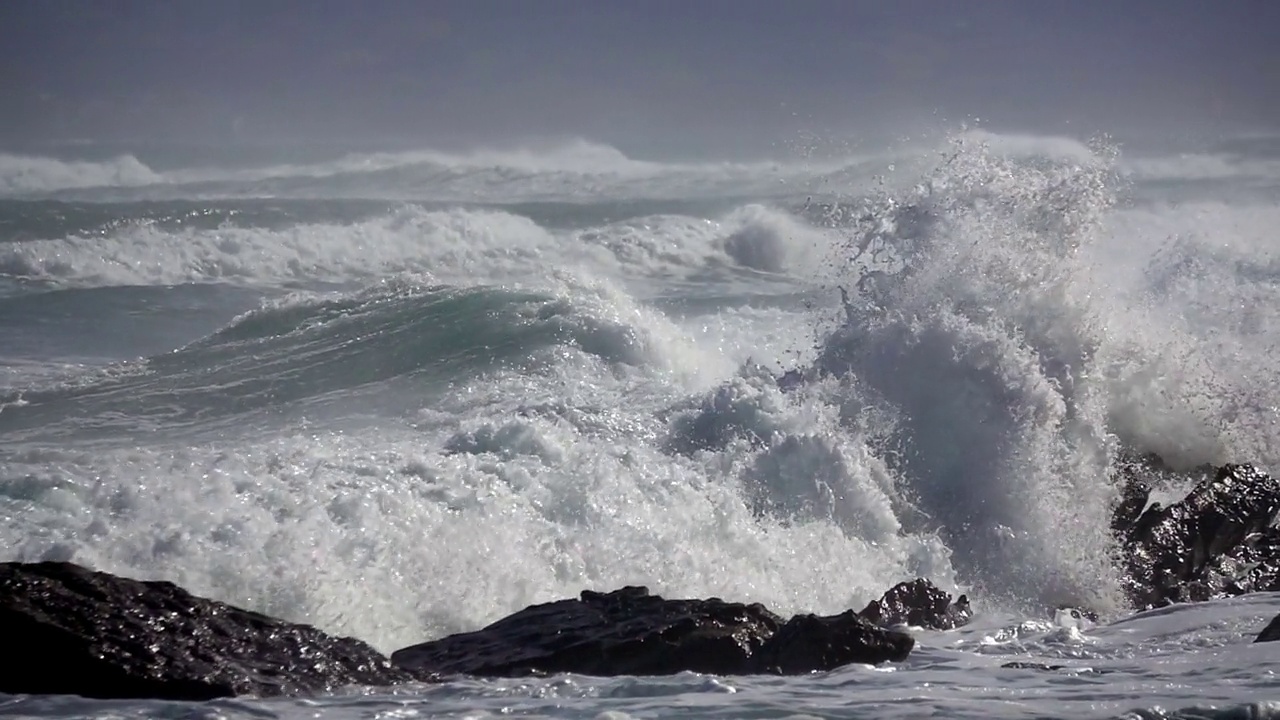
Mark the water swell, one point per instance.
(316, 350)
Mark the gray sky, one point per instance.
(671, 76)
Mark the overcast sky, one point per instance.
(671, 75)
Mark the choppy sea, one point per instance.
(399, 395)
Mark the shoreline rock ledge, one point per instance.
(69, 630)
(73, 631)
(631, 632)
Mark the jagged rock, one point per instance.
(1260, 554)
(919, 603)
(69, 630)
(1216, 542)
(1271, 632)
(1135, 491)
(812, 642)
(630, 632)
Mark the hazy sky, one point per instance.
(672, 75)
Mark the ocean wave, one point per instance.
(453, 244)
(458, 243)
(319, 349)
(572, 171)
(754, 237)
(578, 171)
(22, 175)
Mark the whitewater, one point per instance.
(402, 395)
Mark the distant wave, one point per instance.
(475, 245)
(23, 175)
(570, 171)
(1203, 166)
(411, 240)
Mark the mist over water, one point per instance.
(402, 395)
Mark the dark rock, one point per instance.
(1134, 493)
(1137, 475)
(1216, 542)
(69, 630)
(919, 603)
(630, 632)
(1259, 557)
(1271, 632)
(811, 642)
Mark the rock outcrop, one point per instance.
(919, 603)
(69, 630)
(630, 632)
(1271, 632)
(1219, 541)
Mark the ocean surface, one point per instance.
(403, 394)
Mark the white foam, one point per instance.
(397, 535)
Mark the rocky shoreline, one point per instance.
(72, 630)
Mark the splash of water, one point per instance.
(970, 332)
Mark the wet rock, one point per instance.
(630, 632)
(812, 642)
(1135, 491)
(1271, 632)
(104, 636)
(1216, 542)
(919, 603)
(1254, 566)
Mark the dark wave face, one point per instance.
(306, 353)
